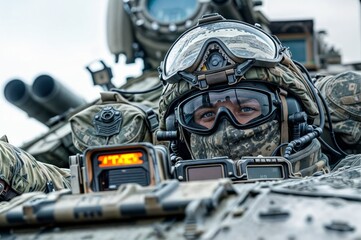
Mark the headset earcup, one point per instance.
(297, 119)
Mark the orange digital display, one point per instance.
(120, 159)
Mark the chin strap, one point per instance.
(284, 117)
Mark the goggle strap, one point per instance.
(284, 117)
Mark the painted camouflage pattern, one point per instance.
(342, 93)
(133, 125)
(280, 76)
(352, 160)
(128, 203)
(23, 173)
(322, 207)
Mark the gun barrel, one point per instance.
(54, 96)
(19, 94)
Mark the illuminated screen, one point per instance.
(204, 173)
(257, 172)
(120, 159)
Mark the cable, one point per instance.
(315, 94)
(121, 91)
(318, 130)
(324, 107)
(331, 149)
(278, 148)
(299, 142)
(332, 133)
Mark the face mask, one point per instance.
(235, 143)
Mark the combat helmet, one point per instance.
(342, 93)
(221, 61)
(152, 26)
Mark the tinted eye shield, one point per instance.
(242, 107)
(239, 40)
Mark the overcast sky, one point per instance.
(60, 38)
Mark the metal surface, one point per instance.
(321, 207)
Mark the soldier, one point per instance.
(148, 37)
(232, 90)
(342, 96)
(20, 172)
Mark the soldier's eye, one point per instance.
(204, 115)
(208, 115)
(247, 109)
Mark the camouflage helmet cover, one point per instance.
(342, 93)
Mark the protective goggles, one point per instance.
(241, 41)
(243, 107)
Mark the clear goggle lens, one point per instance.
(242, 107)
(243, 41)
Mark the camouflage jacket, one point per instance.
(23, 173)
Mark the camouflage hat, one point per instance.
(282, 76)
(113, 120)
(342, 93)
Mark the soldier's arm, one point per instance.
(20, 173)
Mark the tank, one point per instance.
(43, 100)
(318, 207)
(152, 29)
(151, 33)
(166, 206)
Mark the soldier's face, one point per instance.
(244, 110)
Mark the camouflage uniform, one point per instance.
(23, 173)
(261, 140)
(214, 64)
